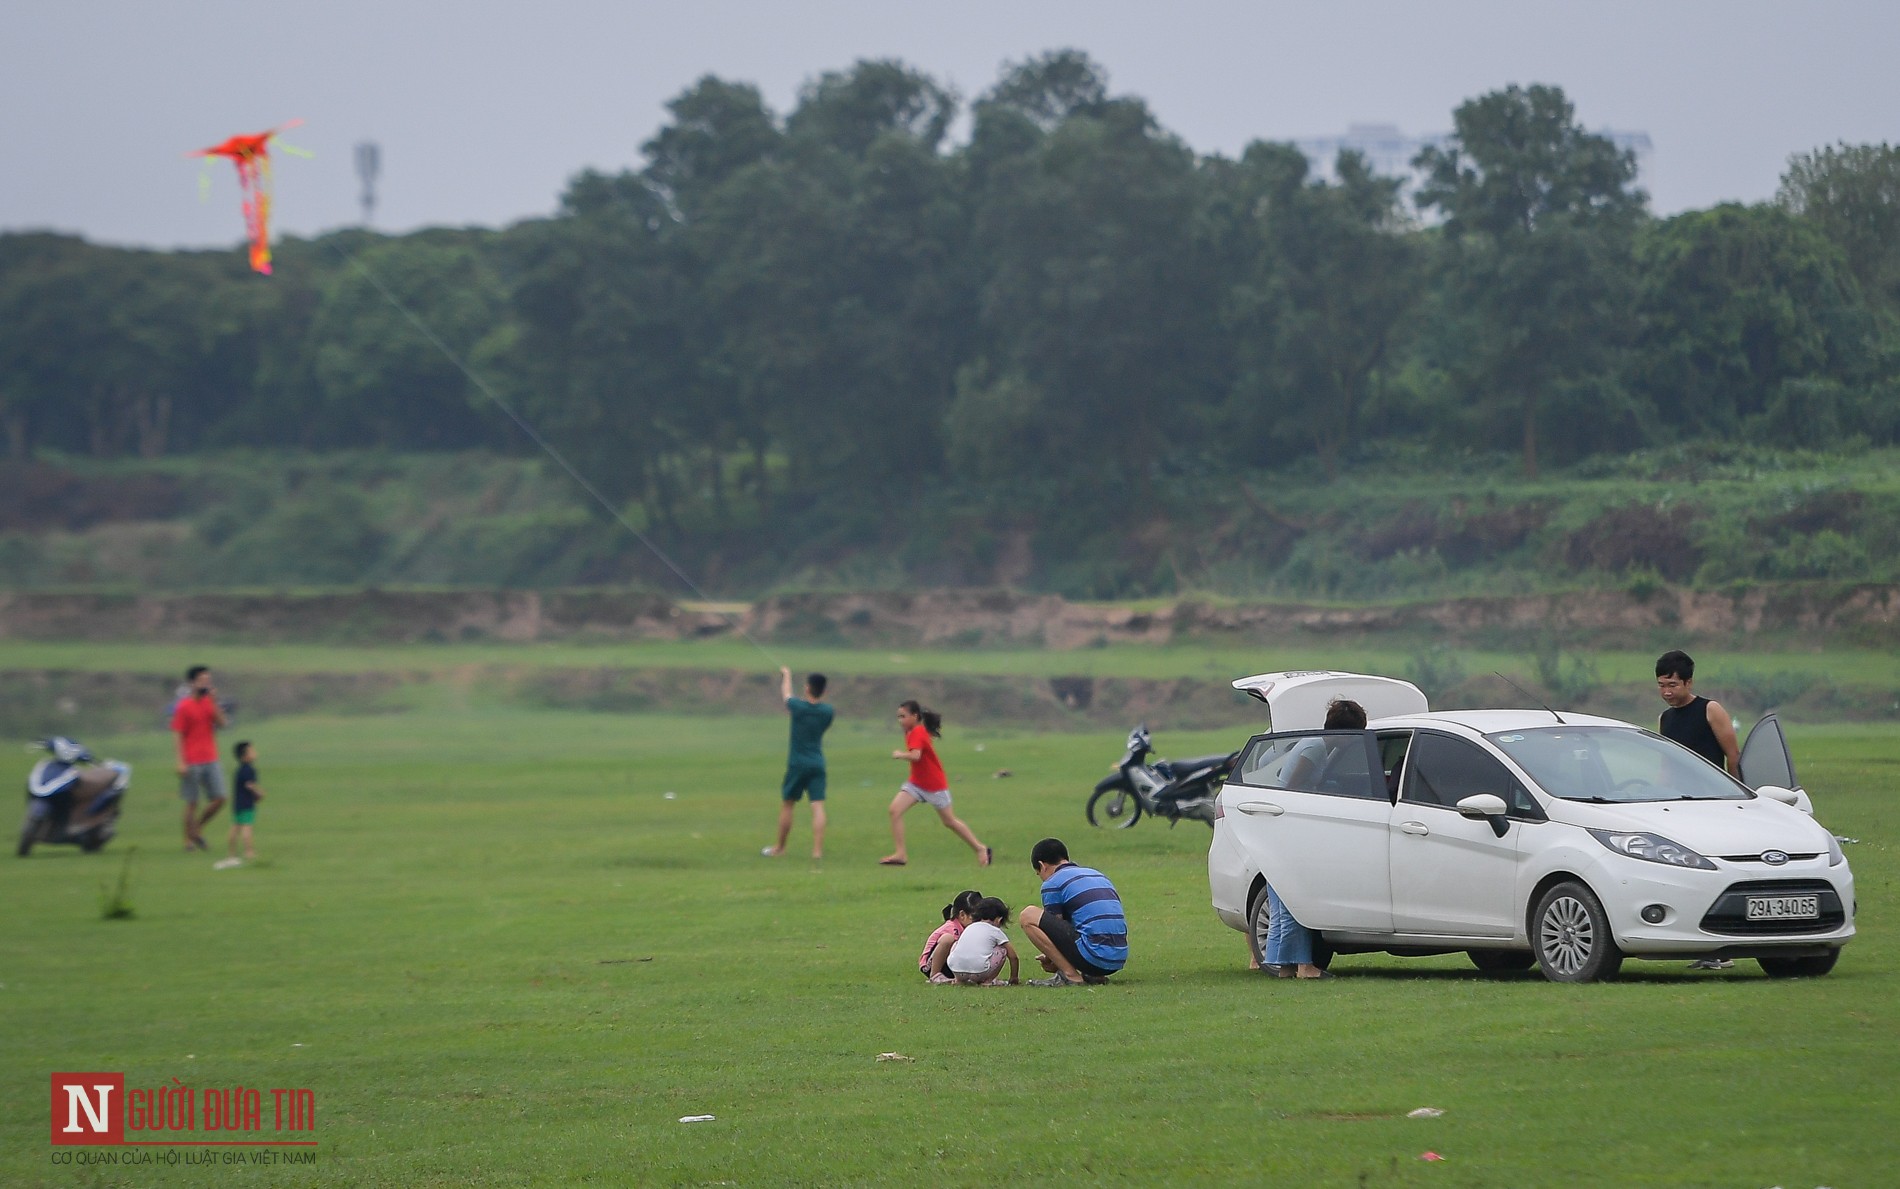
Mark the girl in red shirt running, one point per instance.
(927, 783)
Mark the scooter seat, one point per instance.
(1195, 764)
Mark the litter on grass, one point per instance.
(670, 795)
(1429, 1156)
(894, 1057)
(1424, 1112)
(696, 1118)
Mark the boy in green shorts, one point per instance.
(244, 798)
(805, 765)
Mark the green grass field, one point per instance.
(500, 955)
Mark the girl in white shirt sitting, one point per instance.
(977, 957)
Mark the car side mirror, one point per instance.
(1488, 807)
(1794, 797)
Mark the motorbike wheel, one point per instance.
(1115, 808)
(93, 841)
(29, 834)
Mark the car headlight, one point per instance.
(1652, 847)
(1835, 856)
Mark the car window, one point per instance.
(1333, 762)
(1444, 771)
(1392, 748)
(1615, 764)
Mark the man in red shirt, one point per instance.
(195, 721)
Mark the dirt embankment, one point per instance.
(1866, 613)
(1031, 702)
(39, 702)
(1861, 614)
(370, 616)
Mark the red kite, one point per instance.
(251, 155)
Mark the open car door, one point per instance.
(1767, 762)
(1311, 807)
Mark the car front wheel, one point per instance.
(1799, 967)
(1572, 936)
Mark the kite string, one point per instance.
(546, 446)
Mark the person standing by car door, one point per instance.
(1700, 725)
(1290, 944)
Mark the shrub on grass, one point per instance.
(115, 901)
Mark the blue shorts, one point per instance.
(806, 782)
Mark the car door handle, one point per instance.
(1259, 807)
(1416, 828)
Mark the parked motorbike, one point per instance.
(72, 797)
(1173, 789)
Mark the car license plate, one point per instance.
(1784, 908)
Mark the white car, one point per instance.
(1520, 837)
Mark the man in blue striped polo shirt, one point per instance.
(1079, 931)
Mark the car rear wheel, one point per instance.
(1799, 967)
(1502, 961)
(1260, 932)
(1572, 936)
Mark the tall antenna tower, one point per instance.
(369, 164)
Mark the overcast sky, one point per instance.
(483, 108)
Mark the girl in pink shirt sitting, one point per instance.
(956, 917)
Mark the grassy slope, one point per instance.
(1213, 661)
(1405, 525)
(454, 915)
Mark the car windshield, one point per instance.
(1615, 765)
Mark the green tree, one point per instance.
(1098, 302)
(825, 284)
(1539, 216)
(604, 363)
(1737, 302)
(1328, 270)
(381, 379)
(1852, 193)
(717, 129)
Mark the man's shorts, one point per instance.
(1060, 931)
(243, 817)
(939, 799)
(809, 782)
(205, 778)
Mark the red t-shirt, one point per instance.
(196, 721)
(925, 772)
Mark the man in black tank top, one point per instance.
(1695, 722)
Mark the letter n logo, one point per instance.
(88, 1108)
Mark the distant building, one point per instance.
(1389, 151)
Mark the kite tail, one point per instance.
(255, 183)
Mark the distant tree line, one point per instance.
(1070, 306)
